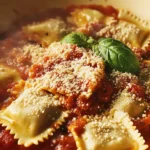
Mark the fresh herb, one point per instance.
(79, 39)
(117, 55)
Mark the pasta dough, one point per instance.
(124, 31)
(127, 103)
(7, 74)
(83, 16)
(32, 116)
(114, 132)
(47, 31)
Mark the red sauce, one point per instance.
(137, 90)
(65, 143)
(3, 94)
(78, 125)
(106, 91)
(97, 103)
(36, 71)
(143, 125)
(6, 140)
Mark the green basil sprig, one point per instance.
(79, 39)
(117, 55)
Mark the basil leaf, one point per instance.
(79, 39)
(117, 55)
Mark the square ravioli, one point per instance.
(70, 70)
(112, 132)
(39, 114)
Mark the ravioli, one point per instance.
(126, 27)
(33, 116)
(126, 32)
(130, 104)
(114, 132)
(71, 71)
(47, 31)
(146, 43)
(84, 16)
(128, 16)
(8, 74)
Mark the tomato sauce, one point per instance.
(143, 125)
(10, 48)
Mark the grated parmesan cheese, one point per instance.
(145, 76)
(131, 104)
(121, 80)
(71, 70)
(125, 32)
(34, 51)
